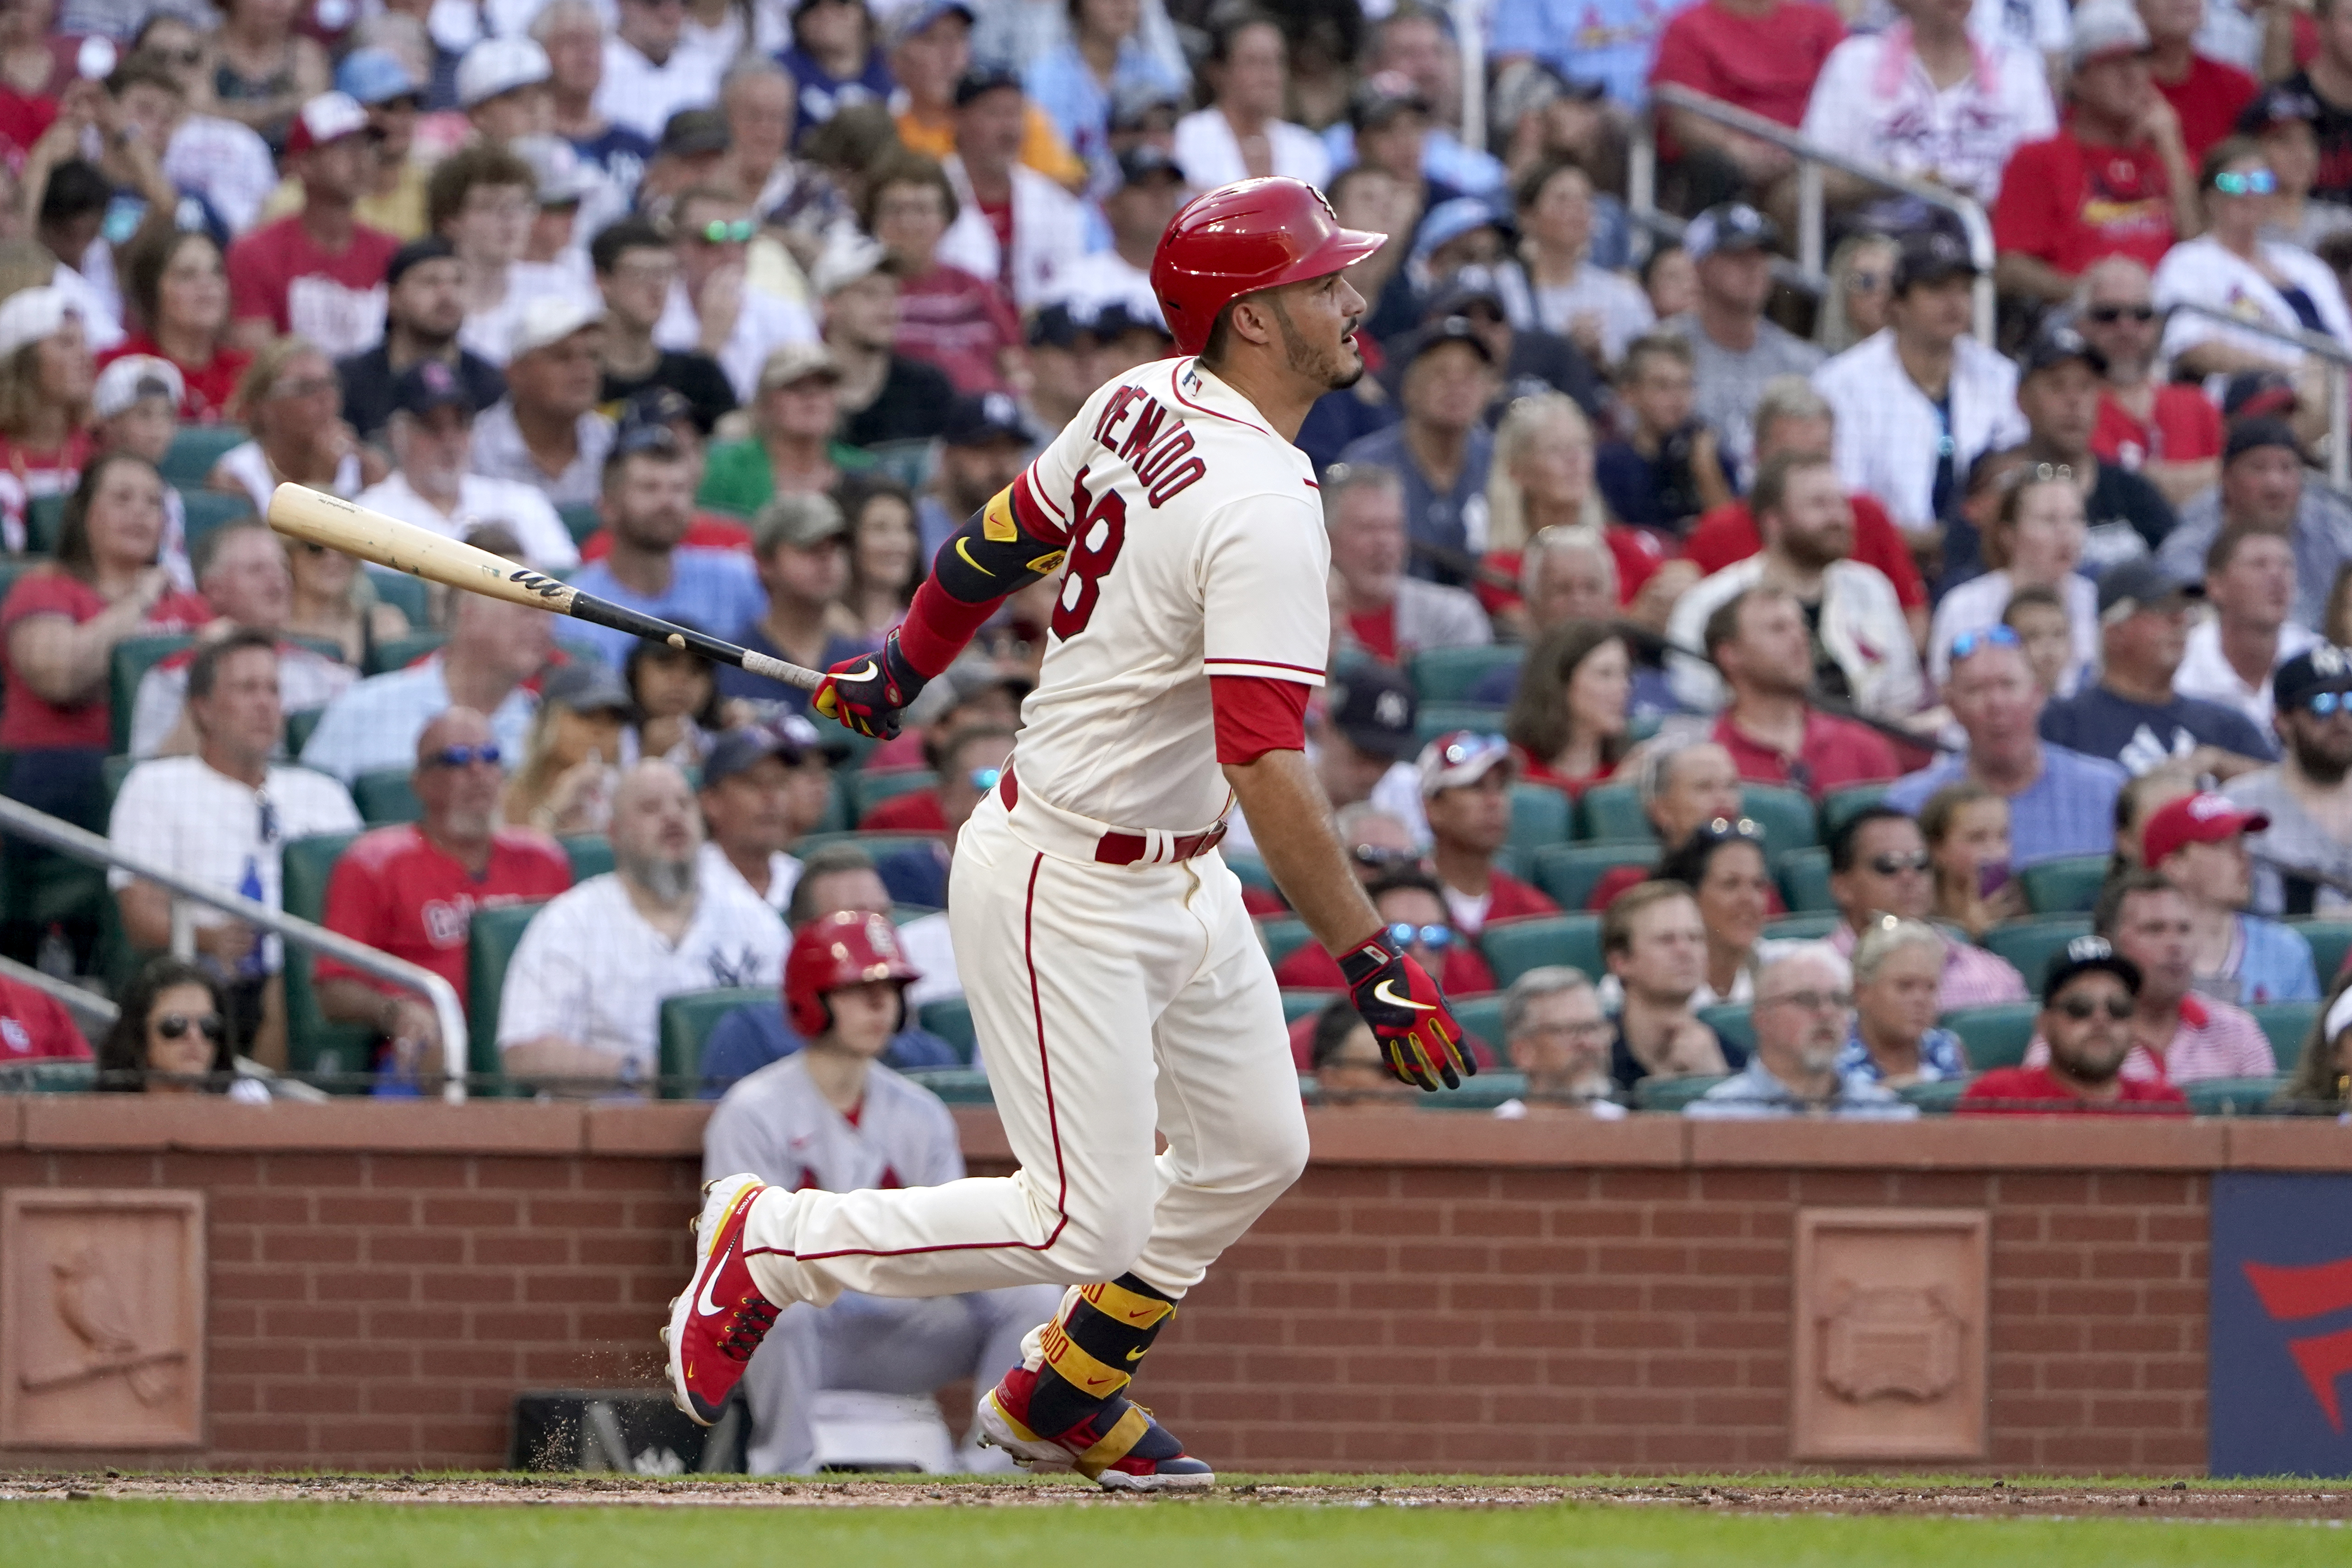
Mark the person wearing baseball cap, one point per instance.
(136, 405)
(502, 87)
(433, 483)
(983, 445)
(2262, 488)
(379, 82)
(2060, 378)
(1442, 377)
(1466, 792)
(546, 432)
(794, 413)
(1048, 228)
(1151, 189)
(1069, 90)
(2199, 842)
(1734, 350)
(339, 261)
(2110, 182)
(2302, 860)
(930, 60)
(2133, 715)
(423, 312)
(2090, 994)
(763, 786)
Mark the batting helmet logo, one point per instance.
(849, 947)
(1239, 238)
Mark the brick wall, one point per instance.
(1543, 1296)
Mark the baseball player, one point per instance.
(1116, 983)
(832, 1117)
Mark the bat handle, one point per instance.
(777, 669)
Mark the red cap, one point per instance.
(330, 117)
(2197, 819)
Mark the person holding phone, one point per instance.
(1967, 828)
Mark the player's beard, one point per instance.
(1336, 370)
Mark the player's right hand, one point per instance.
(1419, 1036)
(866, 693)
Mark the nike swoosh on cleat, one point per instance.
(1386, 992)
(703, 1305)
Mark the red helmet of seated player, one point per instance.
(847, 947)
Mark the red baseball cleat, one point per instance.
(1123, 1449)
(721, 1318)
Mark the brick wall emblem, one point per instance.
(1889, 1321)
(101, 1319)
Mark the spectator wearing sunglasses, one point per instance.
(712, 307)
(2233, 267)
(2262, 488)
(1804, 1015)
(1465, 791)
(411, 889)
(1411, 906)
(2198, 841)
(1758, 641)
(2089, 998)
(2302, 860)
(2060, 801)
(221, 817)
(2176, 1035)
(172, 1038)
(2169, 434)
(2133, 715)
(1879, 866)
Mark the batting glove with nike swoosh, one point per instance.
(866, 693)
(1408, 1015)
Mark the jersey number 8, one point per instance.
(1097, 532)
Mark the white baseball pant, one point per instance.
(1110, 1001)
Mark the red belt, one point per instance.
(1127, 849)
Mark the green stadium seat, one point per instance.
(1786, 815)
(2288, 1027)
(1732, 1025)
(45, 519)
(1282, 938)
(1840, 805)
(1568, 872)
(1936, 1099)
(957, 1085)
(405, 593)
(881, 845)
(399, 653)
(1447, 674)
(1441, 718)
(386, 796)
(868, 791)
(686, 1020)
(2068, 886)
(1804, 878)
(312, 1044)
(1812, 926)
(1513, 947)
(1613, 810)
(836, 806)
(591, 855)
(1480, 1093)
(1539, 816)
(489, 947)
(2027, 944)
(50, 1076)
(2232, 1096)
(194, 450)
(2330, 939)
(951, 1020)
(1655, 1093)
(209, 509)
(132, 659)
(581, 519)
(11, 568)
(1994, 1037)
(1297, 1003)
(1482, 1018)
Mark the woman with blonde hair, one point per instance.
(333, 599)
(1568, 718)
(1540, 476)
(1862, 281)
(293, 404)
(2036, 540)
(47, 376)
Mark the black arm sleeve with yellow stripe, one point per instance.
(1005, 546)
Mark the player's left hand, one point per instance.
(1419, 1036)
(866, 693)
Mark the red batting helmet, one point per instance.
(1239, 239)
(847, 947)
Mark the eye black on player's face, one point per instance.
(1319, 319)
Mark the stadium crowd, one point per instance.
(1749, 692)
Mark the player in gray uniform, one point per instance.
(832, 1118)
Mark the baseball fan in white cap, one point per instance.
(546, 431)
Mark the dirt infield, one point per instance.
(2027, 1498)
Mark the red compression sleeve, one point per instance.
(1257, 715)
(938, 626)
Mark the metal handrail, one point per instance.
(1642, 188)
(82, 845)
(2339, 385)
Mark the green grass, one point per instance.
(141, 1534)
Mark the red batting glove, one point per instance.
(1408, 1015)
(866, 693)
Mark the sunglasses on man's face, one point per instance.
(2251, 182)
(1895, 865)
(2081, 1008)
(2327, 704)
(1373, 857)
(1437, 938)
(174, 1026)
(487, 754)
(2108, 315)
(724, 231)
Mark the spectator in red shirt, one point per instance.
(1465, 793)
(1757, 55)
(1412, 907)
(2116, 179)
(946, 317)
(1791, 416)
(952, 754)
(178, 289)
(2087, 1004)
(1569, 717)
(319, 274)
(2207, 95)
(2169, 434)
(46, 377)
(35, 1026)
(411, 890)
(1758, 640)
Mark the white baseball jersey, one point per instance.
(1196, 548)
(779, 1125)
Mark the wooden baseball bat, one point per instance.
(301, 512)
